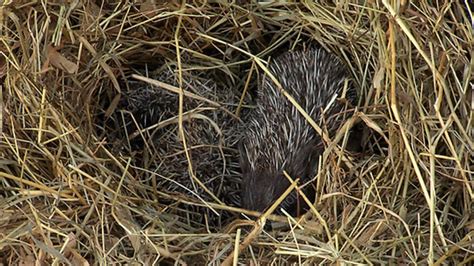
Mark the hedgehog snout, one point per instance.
(261, 189)
(258, 191)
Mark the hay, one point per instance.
(88, 173)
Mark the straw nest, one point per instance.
(119, 126)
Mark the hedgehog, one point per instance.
(278, 138)
(211, 135)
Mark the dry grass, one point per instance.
(75, 188)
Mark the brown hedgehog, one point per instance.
(279, 138)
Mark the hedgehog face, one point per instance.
(261, 190)
(262, 186)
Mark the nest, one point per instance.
(105, 162)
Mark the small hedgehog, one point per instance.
(210, 135)
(279, 138)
